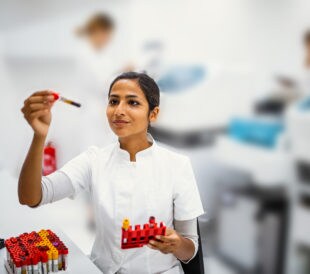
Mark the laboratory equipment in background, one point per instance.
(179, 78)
(298, 127)
(251, 227)
(49, 159)
(252, 196)
(181, 86)
(284, 92)
(262, 131)
(150, 59)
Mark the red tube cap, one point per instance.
(56, 95)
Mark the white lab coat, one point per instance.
(160, 183)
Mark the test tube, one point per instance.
(39, 265)
(55, 259)
(35, 266)
(24, 267)
(50, 261)
(60, 258)
(8, 249)
(13, 264)
(8, 256)
(29, 265)
(126, 225)
(65, 253)
(65, 100)
(18, 267)
(44, 260)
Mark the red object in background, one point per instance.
(49, 159)
(140, 237)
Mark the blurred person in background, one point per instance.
(98, 61)
(133, 177)
(99, 57)
(306, 65)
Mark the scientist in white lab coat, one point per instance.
(133, 177)
(98, 60)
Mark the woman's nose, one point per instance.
(120, 109)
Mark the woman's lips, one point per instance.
(120, 122)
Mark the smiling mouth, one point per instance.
(120, 122)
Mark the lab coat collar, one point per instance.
(123, 154)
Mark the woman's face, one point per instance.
(128, 109)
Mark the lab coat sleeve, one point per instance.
(78, 170)
(188, 229)
(55, 187)
(186, 198)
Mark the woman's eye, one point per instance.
(133, 102)
(112, 102)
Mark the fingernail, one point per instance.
(151, 242)
(157, 237)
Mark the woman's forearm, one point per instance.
(29, 184)
(186, 249)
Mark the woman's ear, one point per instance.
(154, 114)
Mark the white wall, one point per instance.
(259, 35)
(252, 39)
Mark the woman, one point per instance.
(132, 178)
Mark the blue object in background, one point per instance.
(304, 104)
(255, 131)
(179, 78)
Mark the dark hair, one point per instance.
(307, 37)
(146, 84)
(99, 21)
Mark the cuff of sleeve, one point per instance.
(190, 216)
(195, 251)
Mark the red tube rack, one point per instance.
(140, 237)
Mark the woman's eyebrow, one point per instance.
(127, 96)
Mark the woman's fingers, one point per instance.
(42, 92)
(162, 247)
(35, 107)
(38, 106)
(39, 99)
(165, 239)
(38, 113)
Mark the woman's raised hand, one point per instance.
(37, 111)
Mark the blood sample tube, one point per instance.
(44, 260)
(29, 265)
(65, 253)
(60, 258)
(18, 267)
(35, 266)
(55, 259)
(24, 267)
(50, 261)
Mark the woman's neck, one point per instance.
(133, 144)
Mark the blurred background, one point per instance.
(235, 97)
